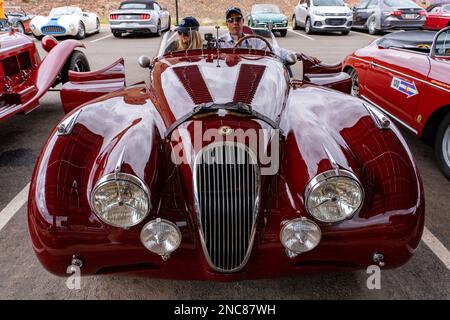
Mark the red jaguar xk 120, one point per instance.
(222, 167)
(407, 75)
(25, 77)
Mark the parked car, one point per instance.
(438, 16)
(18, 19)
(382, 15)
(406, 75)
(222, 168)
(25, 77)
(322, 15)
(66, 21)
(268, 16)
(139, 16)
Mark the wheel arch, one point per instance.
(432, 124)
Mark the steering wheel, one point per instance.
(269, 46)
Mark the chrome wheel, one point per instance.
(355, 83)
(308, 28)
(20, 28)
(446, 146)
(372, 26)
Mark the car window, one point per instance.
(362, 4)
(137, 5)
(400, 3)
(328, 3)
(443, 44)
(265, 8)
(435, 9)
(156, 6)
(446, 8)
(372, 4)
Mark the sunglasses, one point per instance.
(231, 20)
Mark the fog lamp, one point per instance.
(161, 236)
(300, 235)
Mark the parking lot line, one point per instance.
(364, 34)
(301, 34)
(102, 38)
(437, 247)
(13, 206)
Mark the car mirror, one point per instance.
(144, 62)
(304, 5)
(441, 44)
(291, 59)
(209, 37)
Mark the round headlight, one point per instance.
(161, 237)
(334, 196)
(120, 200)
(300, 235)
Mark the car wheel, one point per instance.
(81, 32)
(158, 30)
(117, 34)
(76, 62)
(308, 27)
(294, 23)
(169, 23)
(442, 146)
(355, 81)
(283, 33)
(372, 26)
(20, 27)
(97, 30)
(344, 33)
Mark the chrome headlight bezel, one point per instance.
(166, 254)
(318, 180)
(114, 178)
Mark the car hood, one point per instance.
(181, 84)
(332, 9)
(265, 17)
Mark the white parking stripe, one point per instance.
(13, 206)
(102, 38)
(301, 34)
(437, 247)
(365, 34)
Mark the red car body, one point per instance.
(438, 17)
(24, 76)
(130, 130)
(405, 57)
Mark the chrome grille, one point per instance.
(226, 189)
(53, 30)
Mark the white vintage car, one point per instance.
(66, 21)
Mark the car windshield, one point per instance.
(128, 5)
(446, 8)
(400, 3)
(328, 3)
(265, 8)
(173, 41)
(56, 12)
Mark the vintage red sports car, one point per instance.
(407, 76)
(222, 167)
(25, 77)
(438, 16)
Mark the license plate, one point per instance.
(409, 16)
(129, 25)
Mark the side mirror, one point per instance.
(144, 62)
(304, 5)
(441, 44)
(291, 59)
(209, 37)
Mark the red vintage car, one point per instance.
(222, 167)
(438, 16)
(25, 77)
(407, 76)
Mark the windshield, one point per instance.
(64, 11)
(199, 40)
(400, 3)
(125, 6)
(328, 3)
(265, 8)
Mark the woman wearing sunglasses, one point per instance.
(188, 36)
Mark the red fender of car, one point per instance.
(49, 70)
(86, 86)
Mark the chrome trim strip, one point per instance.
(242, 249)
(390, 115)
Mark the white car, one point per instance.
(66, 21)
(322, 15)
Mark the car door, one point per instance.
(88, 21)
(394, 82)
(162, 15)
(302, 12)
(366, 10)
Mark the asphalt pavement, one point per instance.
(425, 276)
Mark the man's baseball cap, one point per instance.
(233, 9)
(188, 24)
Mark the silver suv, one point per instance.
(322, 15)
